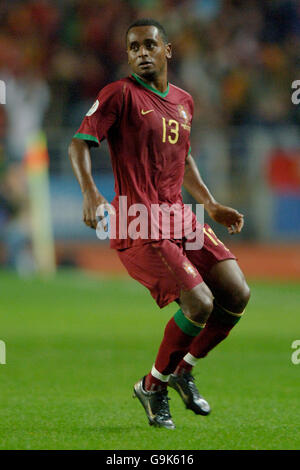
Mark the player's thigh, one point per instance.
(212, 251)
(163, 268)
(220, 271)
(228, 285)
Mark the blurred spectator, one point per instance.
(237, 58)
(14, 218)
(28, 99)
(225, 52)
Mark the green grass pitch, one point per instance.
(75, 345)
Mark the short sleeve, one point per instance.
(104, 113)
(191, 109)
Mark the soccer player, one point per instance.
(147, 123)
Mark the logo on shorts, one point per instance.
(189, 268)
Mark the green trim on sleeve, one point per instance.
(86, 137)
(189, 152)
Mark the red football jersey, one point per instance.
(148, 133)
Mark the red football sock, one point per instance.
(183, 367)
(152, 384)
(179, 334)
(217, 328)
(213, 335)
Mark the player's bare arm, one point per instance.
(224, 215)
(79, 154)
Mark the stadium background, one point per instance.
(238, 59)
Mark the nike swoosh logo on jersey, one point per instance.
(146, 112)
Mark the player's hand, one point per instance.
(94, 206)
(231, 218)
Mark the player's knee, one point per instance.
(205, 307)
(197, 304)
(240, 297)
(200, 307)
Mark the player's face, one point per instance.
(147, 52)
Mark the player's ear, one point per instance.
(168, 49)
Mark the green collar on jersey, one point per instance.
(144, 84)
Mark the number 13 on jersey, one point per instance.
(173, 128)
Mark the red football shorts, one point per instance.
(165, 267)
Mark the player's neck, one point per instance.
(160, 83)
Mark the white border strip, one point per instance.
(159, 376)
(190, 359)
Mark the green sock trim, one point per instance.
(223, 316)
(186, 325)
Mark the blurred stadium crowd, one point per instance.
(237, 58)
